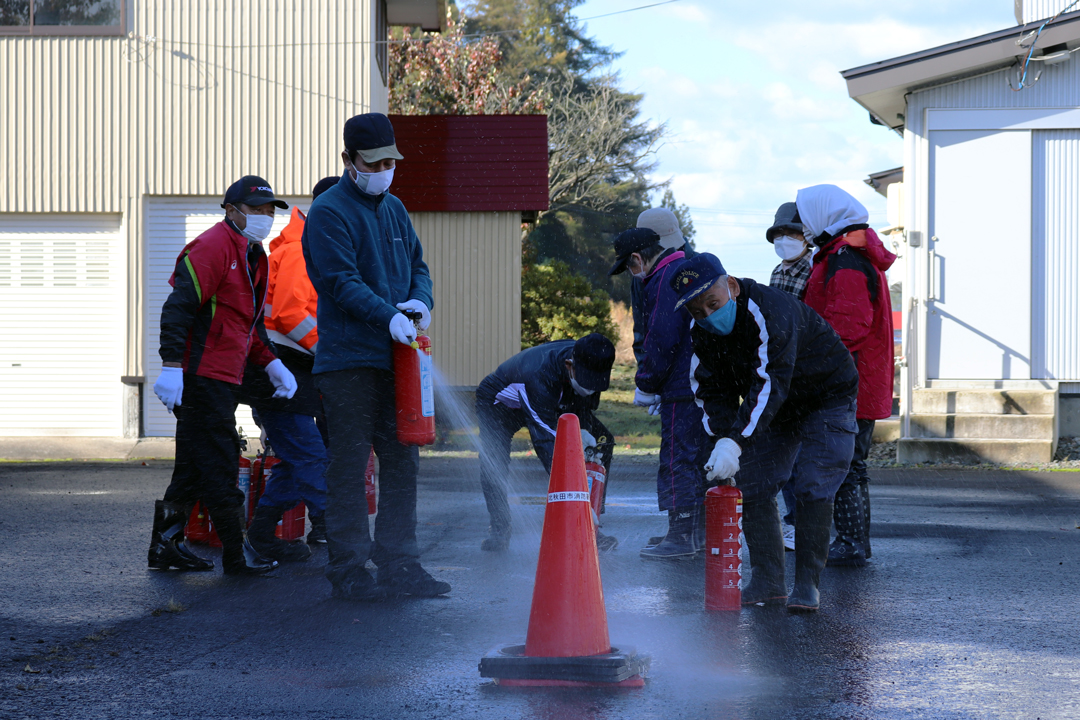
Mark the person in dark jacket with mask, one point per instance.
(532, 389)
(775, 382)
(849, 289)
(211, 327)
(664, 223)
(367, 266)
(663, 387)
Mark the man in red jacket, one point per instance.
(210, 327)
(849, 289)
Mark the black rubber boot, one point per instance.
(864, 489)
(765, 541)
(261, 536)
(410, 579)
(811, 549)
(679, 541)
(237, 555)
(849, 548)
(317, 534)
(168, 551)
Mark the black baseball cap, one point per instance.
(252, 190)
(787, 219)
(629, 242)
(593, 357)
(371, 135)
(696, 276)
(323, 185)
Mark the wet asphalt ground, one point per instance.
(967, 610)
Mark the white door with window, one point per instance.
(171, 223)
(63, 325)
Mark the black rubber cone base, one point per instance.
(509, 665)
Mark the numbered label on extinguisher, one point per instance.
(427, 385)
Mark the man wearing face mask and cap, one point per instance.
(663, 386)
(774, 382)
(795, 253)
(532, 389)
(211, 326)
(367, 266)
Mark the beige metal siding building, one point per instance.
(118, 139)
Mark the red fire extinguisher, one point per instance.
(414, 390)
(597, 477)
(369, 484)
(723, 540)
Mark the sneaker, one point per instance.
(362, 589)
(606, 542)
(789, 537)
(411, 579)
(495, 543)
(317, 534)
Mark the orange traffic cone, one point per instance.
(568, 618)
(567, 641)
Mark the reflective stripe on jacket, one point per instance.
(211, 320)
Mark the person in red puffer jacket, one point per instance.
(849, 289)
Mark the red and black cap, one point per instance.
(254, 191)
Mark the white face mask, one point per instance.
(580, 390)
(258, 227)
(788, 248)
(374, 183)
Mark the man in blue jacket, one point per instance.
(663, 386)
(532, 389)
(367, 265)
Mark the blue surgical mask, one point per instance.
(721, 321)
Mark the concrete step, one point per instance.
(933, 401)
(887, 430)
(1008, 452)
(1001, 427)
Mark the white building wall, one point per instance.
(1032, 10)
(1059, 87)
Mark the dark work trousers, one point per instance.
(498, 423)
(207, 447)
(863, 440)
(684, 450)
(361, 415)
(823, 442)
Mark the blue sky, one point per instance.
(755, 105)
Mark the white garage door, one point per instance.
(171, 223)
(62, 325)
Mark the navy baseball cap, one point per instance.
(787, 218)
(372, 136)
(323, 185)
(252, 190)
(593, 357)
(695, 277)
(629, 242)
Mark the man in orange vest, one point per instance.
(293, 427)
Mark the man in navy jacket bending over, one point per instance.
(776, 383)
(367, 265)
(531, 390)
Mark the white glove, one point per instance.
(724, 461)
(402, 329)
(587, 440)
(284, 382)
(643, 399)
(654, 409)
(170, 386)
(417, 306)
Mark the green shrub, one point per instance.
(559, 304)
